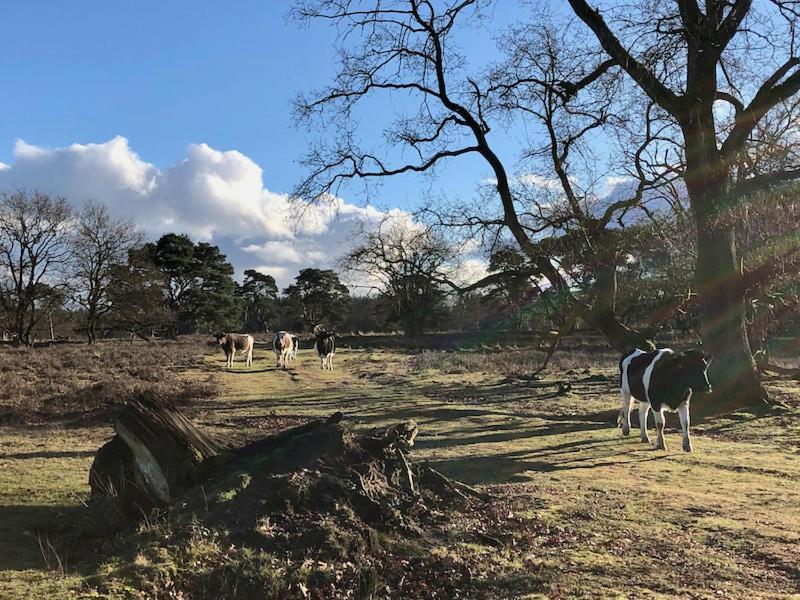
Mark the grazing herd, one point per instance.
(284, 344)
(659, 380)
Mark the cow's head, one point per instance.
(220, 337)
(323, 334)
(694, 368)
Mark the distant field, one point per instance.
(604, 516)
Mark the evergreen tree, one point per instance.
(258, 294)
(199, 285)
(317, 297)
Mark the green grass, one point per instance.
(614, 518)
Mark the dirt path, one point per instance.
(621, 519)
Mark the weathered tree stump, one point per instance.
(156, 453)
(360, 479)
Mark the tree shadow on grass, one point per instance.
(49, 454)
(24, 526)
(498, 469)
(510, 435)
(251, 371)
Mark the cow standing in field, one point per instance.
(325, 347)
(283, 344)
(295, 347)
(232, 343)
(664, 381)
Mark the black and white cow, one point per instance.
(325, 347)
(664, 381)
(295, 347)
(236, 342)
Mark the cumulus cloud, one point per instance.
(211, 195)
(470, 270)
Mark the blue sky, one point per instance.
(161, 73)
(168, 73)
(202, 93)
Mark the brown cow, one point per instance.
(236, 342)
(284, 346)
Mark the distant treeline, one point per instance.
(67, 274)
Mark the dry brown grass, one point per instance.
(73, 382)
(511, 362)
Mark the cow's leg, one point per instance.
(644, 411)
(249, 361)
(626, 412)
(659, 418)
(322, 362)
(683, 412)
(330, 362)
(277, 359)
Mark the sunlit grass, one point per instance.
(724, 521)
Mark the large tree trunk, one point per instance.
(618, 335)
(91, 324)
(718, 276)
(91, 332)
(19, 327)
(722, 300)
(27, 337)
(602, 314)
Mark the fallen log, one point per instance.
(761, 358)
(160, 459)
(792, 372)
(156, 453)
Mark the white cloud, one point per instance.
(613, 185)
(552, 184)
(110, 170)
(470, 270)
(210, 195)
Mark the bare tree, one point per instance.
(694, 62)
(589, 230)
(33, 252)
(99, 244)
(406, 47)
(408, 265)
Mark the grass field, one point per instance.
(606, 516)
